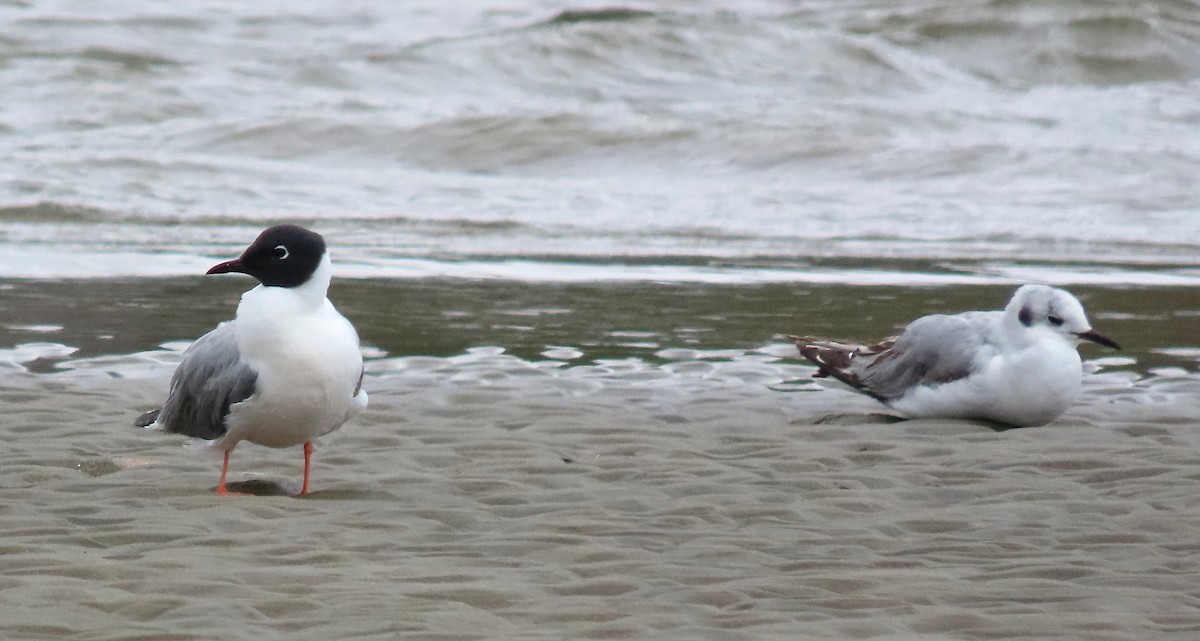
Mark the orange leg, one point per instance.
(224, 470)
(308, 450)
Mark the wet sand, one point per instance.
(483, 496)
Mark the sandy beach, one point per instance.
(483, 496)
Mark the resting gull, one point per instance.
(1018, 366)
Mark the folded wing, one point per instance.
(211, 378)
(931, 350)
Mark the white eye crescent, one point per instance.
(280, 252)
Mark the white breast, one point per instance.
(1025, 387)
(308, 363)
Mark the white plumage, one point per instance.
(1019, 366)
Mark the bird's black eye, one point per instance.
(1054, 320)
(281, 253)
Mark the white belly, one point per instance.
(1031, 387)
(308, 369)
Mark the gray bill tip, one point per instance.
(1097, 337)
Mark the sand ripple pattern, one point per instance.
(488, 497)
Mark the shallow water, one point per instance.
(444, 317)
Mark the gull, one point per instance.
(1018, 366)
(285, 371)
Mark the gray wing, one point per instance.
(211, 378)
(931, 350)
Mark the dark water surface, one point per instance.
(443, 317)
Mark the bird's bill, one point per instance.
(1097, 337)
(227, 267)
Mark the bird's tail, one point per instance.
(830, 357)
(835, 358)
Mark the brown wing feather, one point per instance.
(836, 358)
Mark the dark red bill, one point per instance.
(227, 267)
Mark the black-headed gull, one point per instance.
(286, 370)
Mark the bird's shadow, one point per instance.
(891, 419)
(851, 418)
(996, 427)
(263, 487)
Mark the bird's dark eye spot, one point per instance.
(1026, 316)
(280, 252)
(1054, 320)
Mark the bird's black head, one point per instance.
(281, 256)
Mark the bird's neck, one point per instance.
(313, 291)
(271, 304)
(1014, 330)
